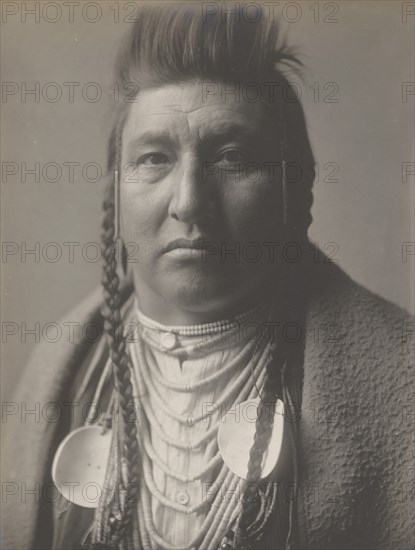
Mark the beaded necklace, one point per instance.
(146, 378)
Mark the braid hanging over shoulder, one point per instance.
(121, 369)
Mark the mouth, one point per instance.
(189, 246)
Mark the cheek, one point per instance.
(252, 209)
(138, 220)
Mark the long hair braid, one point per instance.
(121, 367)
(272, 391)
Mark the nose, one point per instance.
(190, 201)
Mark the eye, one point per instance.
(231, 156)
(153, 160)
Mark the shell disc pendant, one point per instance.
(236, 436)
(79, 465)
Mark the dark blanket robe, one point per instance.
(356, 442)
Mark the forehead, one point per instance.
(193, 107)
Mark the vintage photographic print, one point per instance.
(207, 275)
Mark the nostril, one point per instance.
(187, 209)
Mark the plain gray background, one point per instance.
(368, 134)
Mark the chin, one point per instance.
(203, 294)
(195, 293)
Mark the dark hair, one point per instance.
(177, 42)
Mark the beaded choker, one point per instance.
(195, 330)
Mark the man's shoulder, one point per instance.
(55, 362)
(51, 361)
(336, 297)
(357, 336)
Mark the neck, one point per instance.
(166, 313)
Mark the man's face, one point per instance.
(193, 169)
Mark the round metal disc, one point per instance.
(79, 465)
(236, 436)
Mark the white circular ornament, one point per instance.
(236, 436)
(79, 465)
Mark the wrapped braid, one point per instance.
(121, 369)
(263, 431)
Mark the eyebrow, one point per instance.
(149, 137)
(220, 132)
(226, 131)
